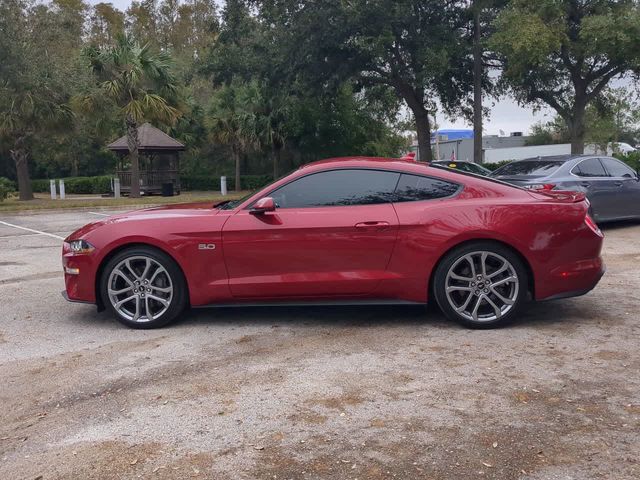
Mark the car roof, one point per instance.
(453, 161)
(394, 164)
(351, 161)
(556, 158)
(403, 165)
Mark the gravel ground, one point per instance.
(338, 393)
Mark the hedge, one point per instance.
(76, 185)
(496, 165)
(212, 182)
(7, 187)
(632, 159)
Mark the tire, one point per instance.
(478, 299)
(143, 288)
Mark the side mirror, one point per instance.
(264, 205)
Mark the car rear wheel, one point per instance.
(481, 285)
(143, 287)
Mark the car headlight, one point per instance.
(81, 247)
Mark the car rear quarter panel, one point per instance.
(545, 233)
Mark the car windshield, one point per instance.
(231, 204)
(534, 168)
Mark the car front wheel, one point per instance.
(143, 287)
(481, 285)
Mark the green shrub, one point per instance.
(7, 187)
(632, 159)
(211, 182)
(496, 165)
(76, 185)
(40, 185)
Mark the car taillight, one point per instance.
(592, 225)
(541, 186)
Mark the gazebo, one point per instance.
(159, 161)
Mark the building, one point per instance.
(457, 144)
(158, 159)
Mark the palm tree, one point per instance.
(273, 126)
(140, 83)
(233, 119)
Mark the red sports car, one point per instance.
(346, 231)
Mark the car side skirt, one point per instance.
(312, 303)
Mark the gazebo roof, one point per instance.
(150, 139)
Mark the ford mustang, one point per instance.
(343, 231)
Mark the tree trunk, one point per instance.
(423, 128)
(415, 101)
(133, 144)
(577, 128)
(236, 159)
(21, 159)
(274, 153)
(477, 86)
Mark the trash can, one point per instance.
(167, 189)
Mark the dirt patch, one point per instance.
(116, 460)
(340, 402)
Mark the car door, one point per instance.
(625, 202)
(591, 178)
(332, 234)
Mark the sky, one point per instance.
(505, 115)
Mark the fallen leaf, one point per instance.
(259, 447)
(488, 465)
(495, 444)
(134, 462)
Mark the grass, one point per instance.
(44, 202)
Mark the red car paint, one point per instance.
(382, 251)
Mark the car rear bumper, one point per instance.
(573, 280)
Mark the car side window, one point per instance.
(617, 169)
(412, 188)
(591, 167)
(338, 187)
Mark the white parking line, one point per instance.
(32, 230)
(101, 214)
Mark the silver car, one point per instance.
(611, 186)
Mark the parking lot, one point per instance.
(333, 392)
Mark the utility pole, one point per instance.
(477, 84)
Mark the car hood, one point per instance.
(165, 212)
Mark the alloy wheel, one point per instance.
(140, 289)
(482, 286)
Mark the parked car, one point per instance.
(343, 231)
(463, 166)
(611, 186)
(621, 147)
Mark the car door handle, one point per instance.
(618, 184)
(585, 184)
(372, 225)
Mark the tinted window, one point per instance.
(338, 187)
(591, 167)
(617, 168)
(414, 187)
(536, 168)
